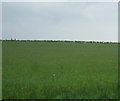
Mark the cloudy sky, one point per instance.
(60, 20)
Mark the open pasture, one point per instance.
(59, 70)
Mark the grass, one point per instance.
(82, 70)
(0, 70)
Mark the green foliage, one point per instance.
(82, 70)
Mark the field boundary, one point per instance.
(63, 41)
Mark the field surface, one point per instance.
(59, 70)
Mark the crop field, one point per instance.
(59, 70)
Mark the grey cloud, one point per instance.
(75, 21)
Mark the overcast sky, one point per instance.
(71, 21)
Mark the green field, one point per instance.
(59, 70)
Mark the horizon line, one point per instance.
(61, 40)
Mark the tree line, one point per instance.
(61, 41)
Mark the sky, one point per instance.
(0, 20)
(60, 21)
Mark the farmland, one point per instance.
(59, 70)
